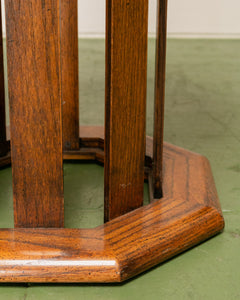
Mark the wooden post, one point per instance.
(69, 68)
(33, 51)
(126, 69)
(159, 97)
(3, 144)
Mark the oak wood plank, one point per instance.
(69, 66)
(125, 105)
(3, 146)
(161, 44)
(33, 51)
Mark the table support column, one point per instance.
(69, 69)
(125, 108)
(3, 142)
(33, 52)
(161, 44)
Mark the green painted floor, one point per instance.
(203, 115)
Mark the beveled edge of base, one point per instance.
(128, 245)
(103, 260)
(179, 236)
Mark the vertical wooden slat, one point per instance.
(125, 115)
(33, 51)
(159, 97)
(3, 144)
(69, 57)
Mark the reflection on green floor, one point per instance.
(202, 114)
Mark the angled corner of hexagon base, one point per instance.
(188, 214)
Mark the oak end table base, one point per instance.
(188, 214)
(184, 209)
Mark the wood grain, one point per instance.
(92, 149)
(125, 107)
(161, 44)
(3, 146)
(69, 69)
(188, 214)
(33, 51)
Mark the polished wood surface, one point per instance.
(91, 149)
(188, 214)
(69, 71)
(3, 146)
(33, 57)
(161, 44)
(125, 108)
(43, 93)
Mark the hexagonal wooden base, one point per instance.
(188, 214)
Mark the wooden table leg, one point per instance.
(33, 51)
(3, 142)
(126, 69)
(159, 97)
(69, 66)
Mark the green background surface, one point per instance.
(202, 114)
